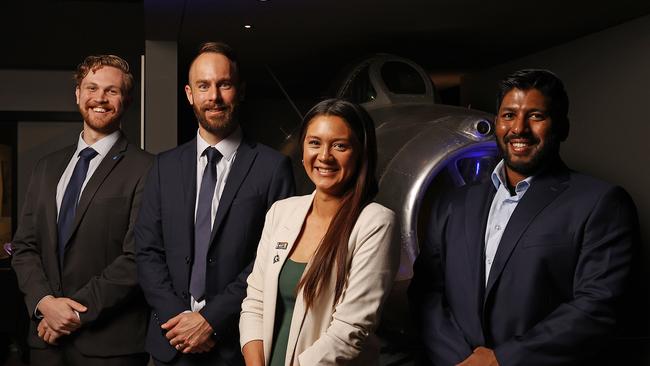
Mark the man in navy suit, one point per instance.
(201, 220)
(526, 269)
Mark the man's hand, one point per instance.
(47, 334)
(481, 357)
(59, 312)
(189, 333)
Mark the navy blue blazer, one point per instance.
(164, 236)
(553, 288)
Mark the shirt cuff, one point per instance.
(37, 313)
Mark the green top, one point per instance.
(289, 278)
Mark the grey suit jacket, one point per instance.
(99, 263)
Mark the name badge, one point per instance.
(282, 245)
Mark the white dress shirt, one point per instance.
(103, 146)
(503, 205)
(228, 149)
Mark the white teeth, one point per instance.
(99, 110)
(323, 170)
(519, 144)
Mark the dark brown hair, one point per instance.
(331, 254)
(96, 62)
(222, 49)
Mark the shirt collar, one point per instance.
(499, 178)
(102, 146)
(227, 147)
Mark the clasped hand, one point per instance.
(481, 356)
(60, 317)
(189, 332)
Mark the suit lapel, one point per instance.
(188, 177)
(477, 209)
(283, 239)
(289, 235)
(544, 190)
(115, 154)
(239, 170)
(54, 175)
(299, 311)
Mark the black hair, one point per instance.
(550, 86)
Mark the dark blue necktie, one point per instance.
(71, 197)
(203, 224)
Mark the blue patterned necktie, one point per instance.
(71, 198)
(203, 224)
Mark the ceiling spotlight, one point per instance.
(248, 26)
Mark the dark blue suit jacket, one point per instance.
(554, 285)
(165, 240)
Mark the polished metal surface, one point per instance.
(417, 138)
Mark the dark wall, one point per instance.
(607, 75)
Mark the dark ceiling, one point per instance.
(439, 34)
(304, 40)
(55, 34)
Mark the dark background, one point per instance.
(300, 48)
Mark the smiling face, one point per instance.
(101, 99)
(525, 133)
(212, 92)
(330, 154)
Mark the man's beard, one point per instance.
(546, 155)
(221, 125)
(105, 126)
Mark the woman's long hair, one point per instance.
(331, 254)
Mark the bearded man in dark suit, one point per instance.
(201, 220)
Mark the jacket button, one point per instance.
(184, 294)
(210, 260)
(187, 260)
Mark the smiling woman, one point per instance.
(329, 153)
(326, 262)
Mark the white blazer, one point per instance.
(326, 334)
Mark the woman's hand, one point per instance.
(253, 352)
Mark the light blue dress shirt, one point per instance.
(503, 205)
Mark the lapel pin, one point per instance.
(276, 258)
(282, 245)
(118, 156)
